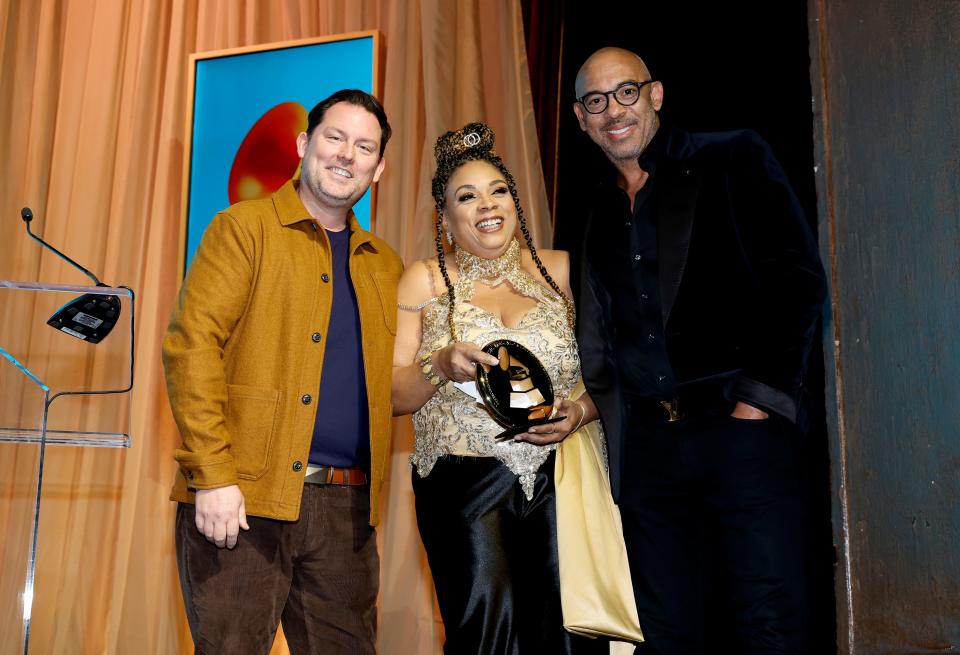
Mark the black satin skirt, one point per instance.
(493, 556)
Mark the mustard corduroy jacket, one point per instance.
(244, 351)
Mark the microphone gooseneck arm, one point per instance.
(27, 215)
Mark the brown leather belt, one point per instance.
(335, 475)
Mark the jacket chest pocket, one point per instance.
(251, 421)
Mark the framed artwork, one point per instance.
(246, 108)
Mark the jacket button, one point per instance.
(189, 475)
(297, 466)
(315, 337)
(325, 277)
(306, 399)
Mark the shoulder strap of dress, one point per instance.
(433, 291)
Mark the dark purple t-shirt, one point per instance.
(341, 433)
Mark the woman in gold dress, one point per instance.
(485, 506)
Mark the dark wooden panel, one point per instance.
(886, 91)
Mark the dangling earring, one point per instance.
(449, 235)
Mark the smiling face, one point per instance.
(622, 132)
(341, 158)
(478, 209)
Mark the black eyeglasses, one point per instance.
(626, 93)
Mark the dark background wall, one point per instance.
(723, 66)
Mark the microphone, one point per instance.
(90, 317)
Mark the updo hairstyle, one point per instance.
(474, 142)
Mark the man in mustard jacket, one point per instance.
(278, 363)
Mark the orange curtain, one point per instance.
(92, 116)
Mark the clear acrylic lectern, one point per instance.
(55, 389)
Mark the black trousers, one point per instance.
(493, 556)
(717, 489)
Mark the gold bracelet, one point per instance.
(429, 374)
(583, 413)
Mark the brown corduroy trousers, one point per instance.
(319, 575)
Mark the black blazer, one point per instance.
(741, 282)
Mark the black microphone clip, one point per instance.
(90, 317)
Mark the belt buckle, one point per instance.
(672, 408)
(322, 475)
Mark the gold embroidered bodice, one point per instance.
(454, 423)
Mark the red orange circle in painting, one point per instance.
(267, 157)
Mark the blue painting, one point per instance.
(248, 108)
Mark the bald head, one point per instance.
(613, 61)
(628, 102)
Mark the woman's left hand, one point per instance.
(549, 433)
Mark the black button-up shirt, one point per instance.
(622, 250)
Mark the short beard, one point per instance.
(630, 154)
(332, 200)
(316, 188)
(619, 156)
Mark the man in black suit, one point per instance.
(701, 287)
